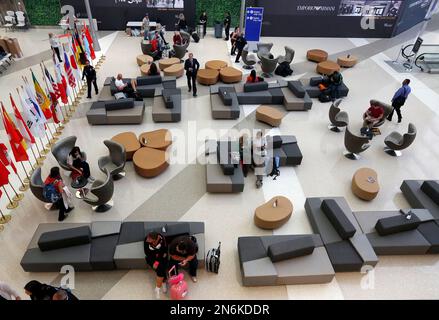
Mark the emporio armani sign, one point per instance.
(307, 8)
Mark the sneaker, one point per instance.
(88, 97)
(195, 95)
(70, 209)
(399, 120)
(164, 288)
(189, 90)
(157, 293)
(194, 279)
(389, 119)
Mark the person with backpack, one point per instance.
(335, 81)
(156, 256)
(183, 252)
(399, 99)
(53, 191)
(39, 291)
(233, 39)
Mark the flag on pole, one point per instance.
(87, 34)
(52, 84)
(69, 72)
(87, 39)
(16, 140)
(54, 107)
(86, 47)
(75, 68)
(5, 158)
(42, 98)
(21, 125)
(4, 175)
(35, 121)
(60, 83)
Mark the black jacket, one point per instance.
(203, 19)
(240, 43)
(153, 254)
(227, 22)
(89, 72)
(187, 65)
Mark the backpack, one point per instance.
(283, 70)
(213, 259)
(275, 171)
(50, 193)
(324, 97)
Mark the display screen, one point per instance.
(371, 8)
(176, 4)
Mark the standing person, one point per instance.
(64, 295)
(57, 186)
(182, 24)
(159, 29)
(335, 81)
(156, 255)
(39, 291)
(55, 45)
(399, 99)
(7, 293)
(233, 38)
(191, 66)
(89, 73)
(203, 22)
(145, 24)
(183, 252)
(227, 23)
(259, 157)
(240, 44)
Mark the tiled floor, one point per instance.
(179, 194)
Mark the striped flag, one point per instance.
(75, 68)
(69, 72)
(42, 98)
(52, 84)
(35, 120)
(61, 83)
(5, 158)
(54, 107)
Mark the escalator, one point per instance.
(428, 62)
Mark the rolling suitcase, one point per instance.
(213, 259)
(196, 37)
(178, 287)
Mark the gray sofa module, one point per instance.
(99, 115)
(288, 151)
(167, 108)
(291, 249)
(338, 219)
(64, 238)
(102, 252)
(418, 198)
(105, 228)
(294, 103)
(349, 254)
(147, 84)
(313, 90)
(221, 110)
(258, 270)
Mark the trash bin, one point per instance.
(218, 29)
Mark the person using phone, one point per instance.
(183, 253)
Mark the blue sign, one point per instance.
(253, 23)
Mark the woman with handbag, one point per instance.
(54, 192)
(399, 99)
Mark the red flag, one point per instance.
(69, 72)
(87, 34)
(4, 175)
(4, 157)
(25, 132)
(16, 140)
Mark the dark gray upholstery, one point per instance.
(148, 80)
(115, 161)
(102, 252)
(268, 66)
(132, 231)
(343, 257)
(396, 224)
(167, 112)
(431, 189)
(355, 144)
(255, 86)
(288, 57)
(119, 104)
(387, 110)
(61, 150)
(100, 194)
(338, 119)
(249, 60)
(395, 141)
(430, 231)
(37, 185)
(250, 248)
(338, 219)
(64, 238)
(418, 198)
(315, 81)
(225, 95)
(179, 51)
(297, 88)
(263, 48)
(99, 114)
(291, 249)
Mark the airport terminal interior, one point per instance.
(335, 201)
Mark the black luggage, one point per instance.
(196, 37)
(324, 97)
(213, 259)
(284, 70)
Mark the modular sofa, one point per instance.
(103, 245)
(223, 175)
(123, 111)
(286, 149)
(422, 194)
(284, 260)
(348, 247)
(148, 86)
(313, 90)
(167, 107)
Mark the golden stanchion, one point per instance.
(41, 159)
(12, 204)
(44, 151)
(49, 144)
(18, 196)
(24, 186)
(54, 139)
(4, 218)
(27, 179)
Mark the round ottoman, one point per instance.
(268, 216)
(317, 55)
(159, 139)
(207, 76)
(327, 67)
(365, 184)
(347, 62)
(230, 75)
(216, 64)
(150, 163)
(176, 70)
(145, 69)
(144, 59)
(129, 141)
(166, 63)
(269, 115)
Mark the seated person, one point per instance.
(335, 81)
(156, 256)
(253, 78)
(153, 70)
(160, 44)
(130, 89)
(183, 252)
(178, 39)
(74, 161)
(372, 116)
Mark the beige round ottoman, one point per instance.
(327, 67)
(150, 163)
(230, 75)
(144, 70)
(269, 115)
(159, 139)
(207, 76)
(347, 62)
(270, 216)
(176, 70)
(144, 59)
(216, 64)
(166, 63)
(365, 184)
(317, 55)
(129, 141)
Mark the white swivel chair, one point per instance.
(9, 22)
(21, 20)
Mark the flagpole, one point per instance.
(23, 186)
(4, 218)
(27, 179)
(12, 204)
(44, 151)
(18, 196)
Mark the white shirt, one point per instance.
(7, 292)
(119, 83)
(54, 42)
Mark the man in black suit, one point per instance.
(191, 66)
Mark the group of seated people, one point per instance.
(130, 88)
(162, 257)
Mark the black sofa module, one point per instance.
(64, 238)
(417, 198)
(291, 249)
(397, 224)
(119, 104)
(344, 257)
(338, 219)
(430, 231)
(102, 252)
(431, 189)
(256, 86)
(297, 88)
